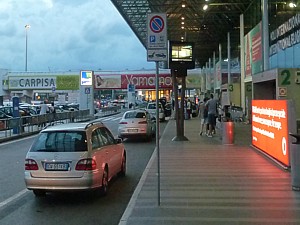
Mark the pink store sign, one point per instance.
(140, 81)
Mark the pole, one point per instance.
(26, 53)
(157, 131)
(243, 92)
(229, 64)
(26, 38)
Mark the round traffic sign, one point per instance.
(157, 24)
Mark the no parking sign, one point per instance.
(157, 30)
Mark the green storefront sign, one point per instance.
(68, 82)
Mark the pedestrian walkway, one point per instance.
(205, 182)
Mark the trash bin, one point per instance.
(227, 132)
(295, 162)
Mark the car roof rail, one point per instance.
(93, 123)
(53, 124)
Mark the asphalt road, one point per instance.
(20, 206)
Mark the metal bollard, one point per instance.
(295, 162)
(227, 133)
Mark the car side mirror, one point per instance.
(118, 140)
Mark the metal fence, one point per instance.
(27, 125)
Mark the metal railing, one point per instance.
(28, 125)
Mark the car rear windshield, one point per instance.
(130, 115)
(153, 106)
(63, 141)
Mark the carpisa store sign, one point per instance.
(61, 82)
(31, 82)
(271, 123)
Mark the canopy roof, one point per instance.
(206, 28)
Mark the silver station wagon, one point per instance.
(74, 156)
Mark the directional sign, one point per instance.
(157, 30)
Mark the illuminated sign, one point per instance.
(181, 55)
(86, 78)
(140, 81)
(270, 128)
(182, 52)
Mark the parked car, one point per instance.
(137, 123)
(4, 115)
(68, 108)
(31, 110)
(74, 156)
(8, 110)
(151, 108)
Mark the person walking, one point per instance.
(203, 115)
(212, 112)
(189, 109)
(43, 111)
(52, 110)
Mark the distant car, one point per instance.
(151, 108)
(4, 115)
(31, 110)
(74, 156)
(67, 108)
(136, 123)
(8, 110)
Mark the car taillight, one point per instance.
(86, 164)
(31, 164)
(123, 123)
(142, 122)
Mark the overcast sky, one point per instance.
(67, 35)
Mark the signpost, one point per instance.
(86, 89)
(157, 45)
(157, 50)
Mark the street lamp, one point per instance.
(26, 29)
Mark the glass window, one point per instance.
(140, 115)
(60, 142)
(95, 140)
(106, 136)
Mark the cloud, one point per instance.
(67, 35)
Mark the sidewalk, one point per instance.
(205, 182)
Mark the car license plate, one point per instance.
(132, 130)
(56, 166)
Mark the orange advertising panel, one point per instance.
(270, 128)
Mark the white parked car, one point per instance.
(137, 123)
(74, 156)
(151, 108)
